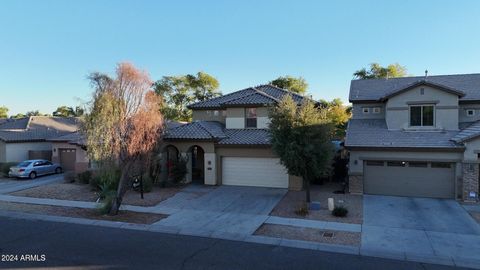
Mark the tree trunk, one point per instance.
(122, 188)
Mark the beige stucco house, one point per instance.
(43, 137)
(415, 136)
(227, 143)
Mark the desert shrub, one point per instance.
(179, 170)
(69, 177)
(147, 183)
(108, 175)
(5, 168)
(84, 177)
(106, 195)
(302, 210)
(340, 211)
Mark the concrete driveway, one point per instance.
(224, 209)
(9, 185)
(420, 228)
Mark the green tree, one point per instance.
(65, 111)
(301, 137)
(297, 85)
(18, 115)
(35, 113)
(3, 112)
(180, 91)
(338, 114)
(376, 71)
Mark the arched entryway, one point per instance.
(171, 155)
(197, 155)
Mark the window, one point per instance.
(376, 109)
(251, 118)
(366, 110)
(224, 113)
(374, 163)
(209, 112)
(440, 165)
(470, 112)
(215, 113)
(422, 91)
(421, 115)
(417, 164)
(396, 163)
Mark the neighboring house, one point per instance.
(29, 138)
(69, 150)
(228, 141)
(415, 136)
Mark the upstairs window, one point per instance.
(251, 117)
(422, 115)
(376, 109)
(470, 112)
(365, 110)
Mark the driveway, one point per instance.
(224, 209)
(413, 228)
(9, 185)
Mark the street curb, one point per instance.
(422, 258)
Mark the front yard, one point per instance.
(123, 216)
(83, 192)
(294, 200)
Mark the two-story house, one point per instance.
(227, 143)
(415, 136)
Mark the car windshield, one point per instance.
(23, 164)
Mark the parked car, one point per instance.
(33, 168)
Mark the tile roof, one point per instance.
(72, 138)
(198, 130)
(246, 137)
(374, 133)
(469, 132)
(376, 89)
(258, 95)
(215, 131)
(37, 128)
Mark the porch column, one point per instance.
(188, 156)
(210, 168)
(470, 181)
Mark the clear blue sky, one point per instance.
(47, 48)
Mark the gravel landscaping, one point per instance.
(83, 192)
(123, 216)
(309, 234)
(293, 200)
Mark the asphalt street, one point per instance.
(41, 244)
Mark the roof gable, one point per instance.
(423, 83)
(259, 95)
(468, 85)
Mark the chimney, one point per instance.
(426, 73)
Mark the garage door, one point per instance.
(67, 159)
(403, 178)
(259, 172)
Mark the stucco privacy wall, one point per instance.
(2, 152)
(81, 158)
(16, 152)
(357, 157)
(294, 182)
(208, 115)
(357, 111)
(446, 108)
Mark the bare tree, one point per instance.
(124, 123)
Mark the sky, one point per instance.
(47, 48)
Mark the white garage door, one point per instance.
(258, 172)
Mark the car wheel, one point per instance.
(32, 175)
(58, 170)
